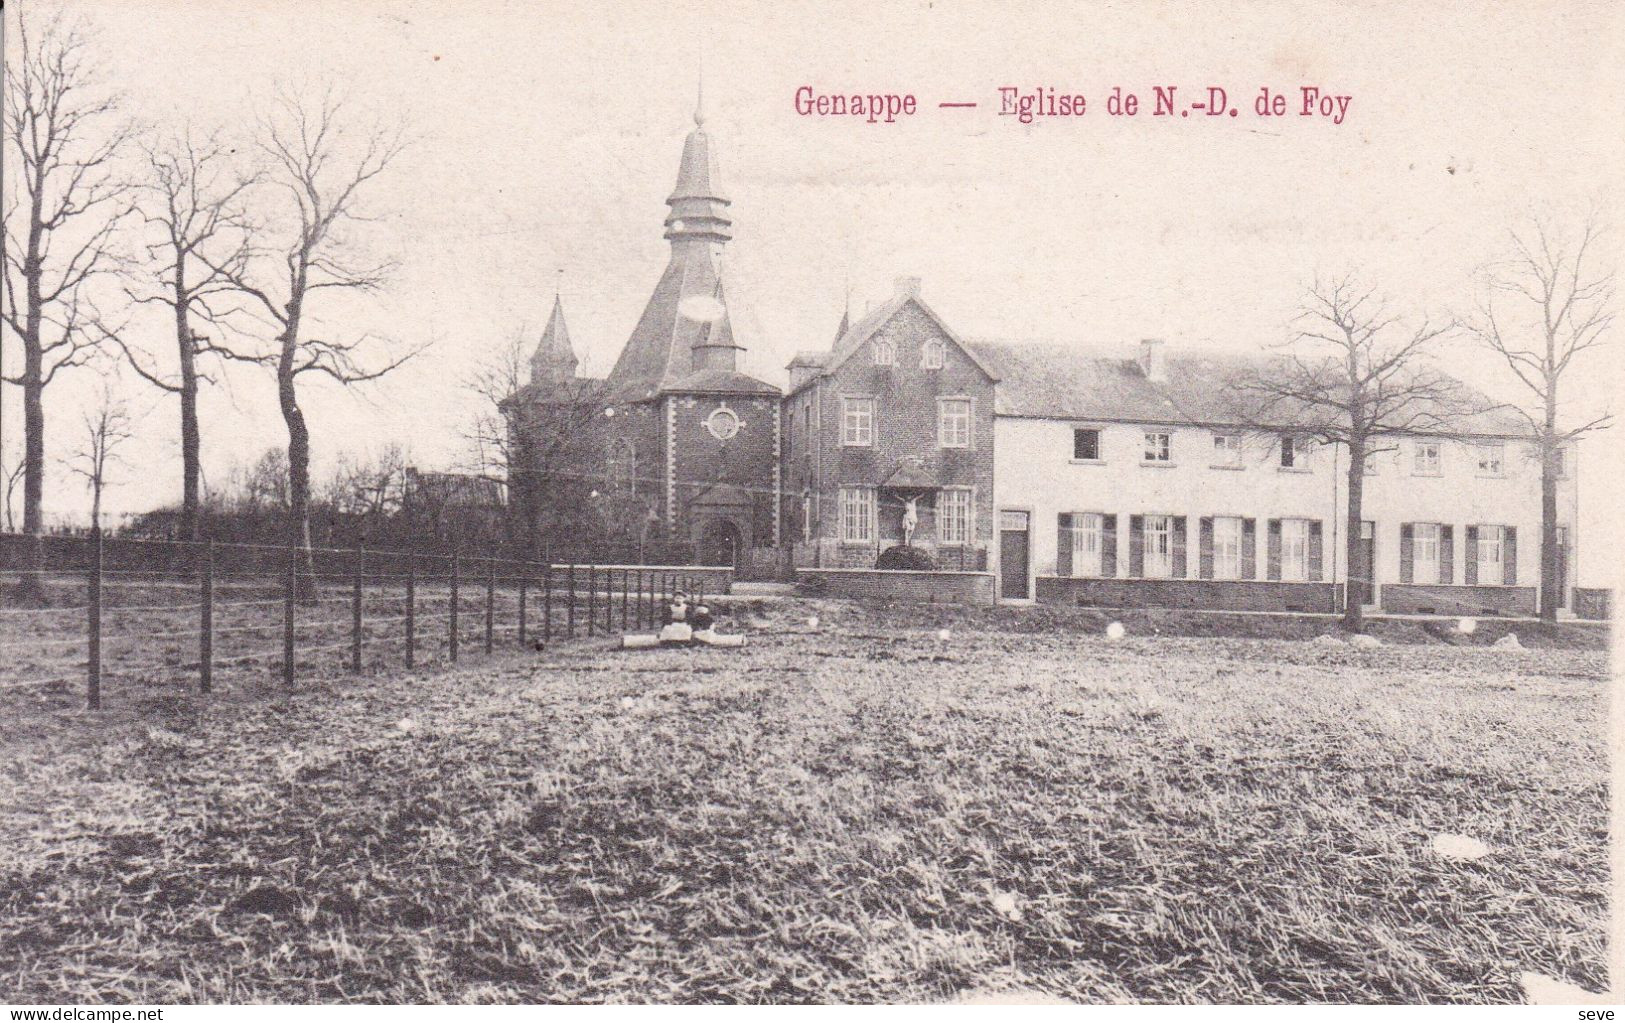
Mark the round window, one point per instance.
(722, 423)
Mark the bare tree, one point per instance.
(107, 427)
(537, 441)
(193, 201)
(1354, 375)
(1566, 310)
(322, 169)
(11, 473)
(59, 220)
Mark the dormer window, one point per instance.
(885, 353)
(1295, 451)
(932, 355)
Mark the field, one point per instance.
(858, 812)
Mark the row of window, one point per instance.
(955, 514)
(1226, 547)
(1427, 554)
(1293, 452)
(932, 354)
(955, 419)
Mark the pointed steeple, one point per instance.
(698, 207)
(555, 360)
(685, 339)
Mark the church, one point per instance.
(676, 449)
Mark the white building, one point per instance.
(1130, 481)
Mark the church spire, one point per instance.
(699, 210)
(555, 359)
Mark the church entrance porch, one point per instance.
(721, 544)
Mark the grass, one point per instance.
(860, 813)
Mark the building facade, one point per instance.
(1131, 482)
(889, 438)
(1106, 478)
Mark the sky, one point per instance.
(546, 137)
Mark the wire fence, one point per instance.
(71, 618)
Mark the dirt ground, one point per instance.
(854, 811)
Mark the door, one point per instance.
(1013, 555)
(1363, 587)
(720, 544)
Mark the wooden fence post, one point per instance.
(626, 589)
(592, 600)
(570, 613)
(205, 654)
(355, 611)
(93, 689)
(547, 603)
(451, 638)
(411, 609)
(642, 611)
(290, 589)
(490, 601)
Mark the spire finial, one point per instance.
(699, 100)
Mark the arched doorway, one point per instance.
(720, 544)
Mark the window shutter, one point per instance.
(1407, 553)
(1249, 548)
(1273, 555)
(1469, 565)
(1108, 546)
(1317, 551)
(1063, 544)
(1509, 555)
(1204, 547)
(1447, 554)
(1179, 547)
(1136, 546)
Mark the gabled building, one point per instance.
(896, 415)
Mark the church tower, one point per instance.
(685, 336)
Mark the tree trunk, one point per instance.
(32, 587)
(191, 468)
(298, 474)
(1551, 583)
(1353, 602)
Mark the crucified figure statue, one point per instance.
(911, 520)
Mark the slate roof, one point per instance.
(722, 381)
(857, 333)
(1056, 381)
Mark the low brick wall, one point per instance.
(1198, 593)
(1593, 603)
(1400, 598)
(892, 584)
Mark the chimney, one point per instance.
(1153, 361)
(908, 287)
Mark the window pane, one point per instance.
(1227, 547)
(1086, 445)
